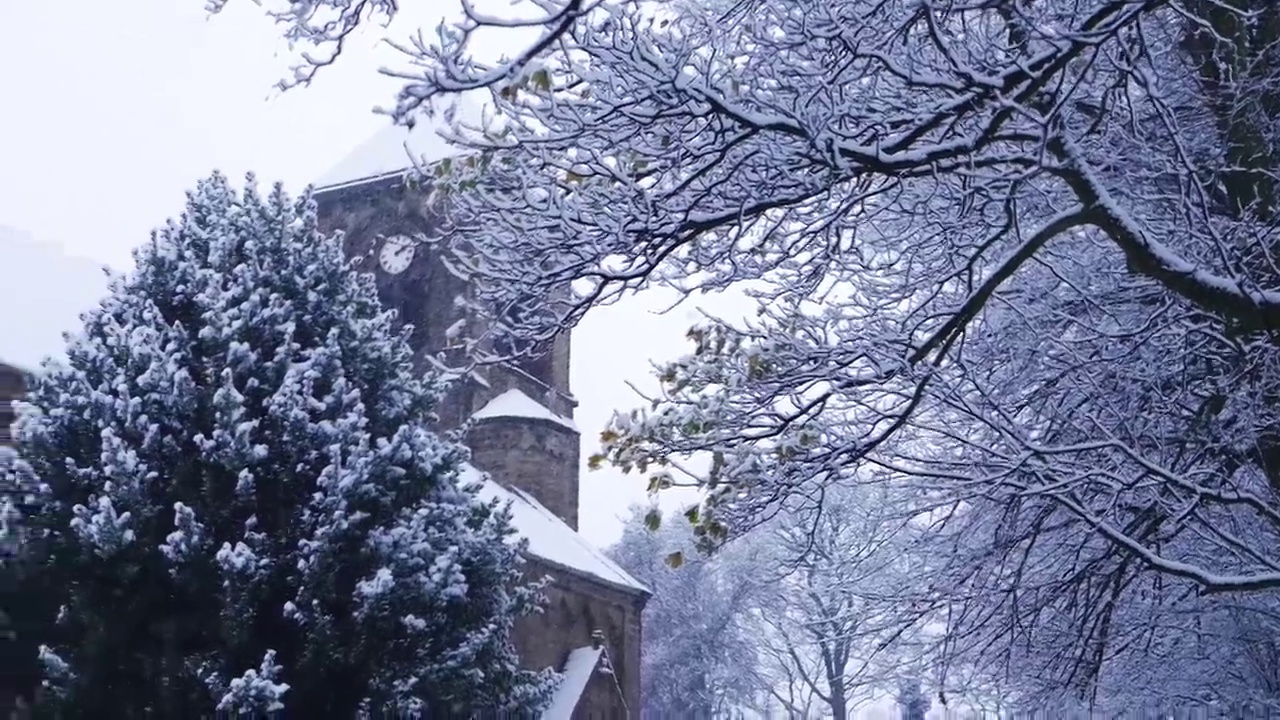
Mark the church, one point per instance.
(522, 434)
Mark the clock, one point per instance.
(396, 254)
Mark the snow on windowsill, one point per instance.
(515, 404)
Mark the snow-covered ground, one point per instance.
(42, 292)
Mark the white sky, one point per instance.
(112, 110)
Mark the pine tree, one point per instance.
(248, 509)
(20, 604)
(20, 492)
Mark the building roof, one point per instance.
(573, 680)
(11, 372)
(394, 149)
(516, 404)
(550, 538)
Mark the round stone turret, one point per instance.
(529, 447)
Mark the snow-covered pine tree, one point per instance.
(20, 491)
(249, 510)
(20, 604)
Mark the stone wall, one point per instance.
(541, 461)
(425, 294)
(575, 608)
(537, 456)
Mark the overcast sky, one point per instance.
(111, 110)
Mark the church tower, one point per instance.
(521, 428)
(522, 413)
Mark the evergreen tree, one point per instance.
(20, 494)
(248, 509)
(20, 490)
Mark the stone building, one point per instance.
(13, 386)
(523, 434)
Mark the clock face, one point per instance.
(396, 254)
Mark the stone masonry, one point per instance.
(575, 608)
(13, 386)
(539, 456)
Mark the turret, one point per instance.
(527, 445)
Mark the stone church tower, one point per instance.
(522, 434)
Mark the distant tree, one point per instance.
(247, 509)
(698, 656)
(837, 603)
(913, 703)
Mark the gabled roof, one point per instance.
(573, 680)
(391, 151)
(516, 404)
(550, 538)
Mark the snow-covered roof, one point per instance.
(549, 537)
(514, 403)
(573, 680)
(395, 148)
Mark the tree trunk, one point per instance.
(1238, 67)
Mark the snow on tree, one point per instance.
(839, 616)
(21, 493)
(697, 656)
(248, 508)
(21, 497)
(1020, 254)
(912, 701)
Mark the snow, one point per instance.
(549, 537)
(257, 690)
(19, 490)
(181, 543)
(394, 149)
(515, 404)
(102, 528)
(54, 665)
(577, 673)
(379, 585)
(240, 558)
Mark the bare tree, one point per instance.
(697, 657)
(833, 625)
(1019, 253)
(912, 701)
